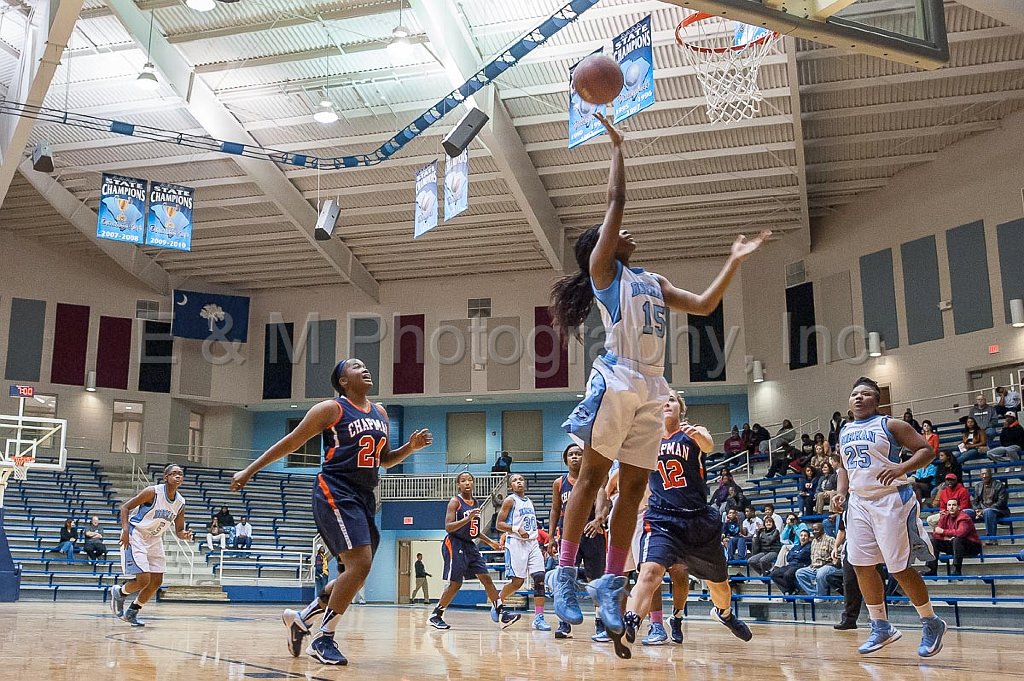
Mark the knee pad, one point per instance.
(538, 584)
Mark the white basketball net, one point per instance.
(726, 57)
(21, 466)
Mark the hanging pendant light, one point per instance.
(147, 79)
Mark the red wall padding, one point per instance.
(114, 352)
(551, 369)
(70, 342)
(410, 353)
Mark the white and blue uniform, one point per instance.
(523, 557)
(621, 415)
(145, 552)
(883, 523)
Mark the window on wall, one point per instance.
(479, 308)
(309, 454)
(126, 428)
(195, 436)
(147, 309)
(467, 438)
(45, 407)
(522, 435)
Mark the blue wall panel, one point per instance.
(968, 277)
(921, 290)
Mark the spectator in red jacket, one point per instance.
(955, 534)
(952, 488)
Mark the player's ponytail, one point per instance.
(572, 296)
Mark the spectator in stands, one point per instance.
(908, 417)
(748, 438)
(813, 579)
(322, 568)
(930, 436)
(835, 425)
(68, 537)
(806, 447)
(808, 490)
(733, 445)
(831, 523)
(93, 535)
(765, 547)
(243, 534)
(768, 511)
(1009, 400)
(798, 557)
(751, 524)
(781, 458)
(852, 598)
(924, 480)
(951, 489)
(828, 482)
(786, 434)
(421, 580)
(503, 464)
(984, 416)
(214, 533)
(732, 537)
(955, 534)
(1011, 440)
(224, 517)
(974, 442)
(761, 438)
(735, 501)
(791, 530)
(946, 464)
(822, 452)
(993, 503)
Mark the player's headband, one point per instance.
(864, 380)
(336, 375)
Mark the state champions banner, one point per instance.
(633, 50)
(169, 220)
(122, 212)
(426, 199)
(456, 185)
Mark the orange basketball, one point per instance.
(597, 79)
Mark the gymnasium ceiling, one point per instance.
(692, 185)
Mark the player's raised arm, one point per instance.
(318, 419)
(603, 258)
(705, 303)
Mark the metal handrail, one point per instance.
(300, 565)
(190, 555)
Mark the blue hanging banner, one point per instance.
(426, 199)
(582, 123)
(456, 185)
(169, 221)
(633, 50)
(122, 209)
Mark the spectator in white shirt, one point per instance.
(243, 534)
(751, 523)
(769, 510)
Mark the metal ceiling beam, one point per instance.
(876, 162)
(681, 157)
(677, 181)
(953, 38)
(912, 77)
(220, 123)
(887, 135)
(1010, 12)
(48, 30)
(914, 105)
(456, 50)
(793, 80)
(318, 53)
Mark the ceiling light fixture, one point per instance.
(400, 47)
(201, 5)
(147, 79)
(326, 113)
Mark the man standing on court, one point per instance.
(421, 580)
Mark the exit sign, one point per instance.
(407, 520)
(23, 391)
(993, 349)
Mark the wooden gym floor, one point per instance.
(83, 641)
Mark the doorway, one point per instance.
(404, 565)
(885, 400)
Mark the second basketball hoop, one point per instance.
(726, 56)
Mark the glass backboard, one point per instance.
(907, 31)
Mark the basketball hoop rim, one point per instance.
(704, 16)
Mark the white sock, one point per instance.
(926, 611)
(877, 612)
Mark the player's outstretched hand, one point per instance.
(837, 503)
(743, 247)
(239, 480)
(614, 133)
(421, 439)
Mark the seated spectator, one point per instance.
(68, 537)
(765, 547)
(732, 537)
(808, 489)
(748, 438)
(243, 534)
(908, 417)
(828, 483)
(751, 524)
(930, 436)
(790, 533)
(813, 579)
(974, 442)
(954, 534)
(798, 557)
(924, 481)
(733, 445)
(93, 534)
(992, 499)
(1009, 400)
(806, 447)
(734, 501)
(214, 533)
(951, 489)
(946, 464)
(822, 452)
(224, 517)
(831, 524)
(721, 493)
(761, 438)
(503, 464)
(768, 511)
(985, 416)
(835, 425)
(781, 458)
(1011, 440)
